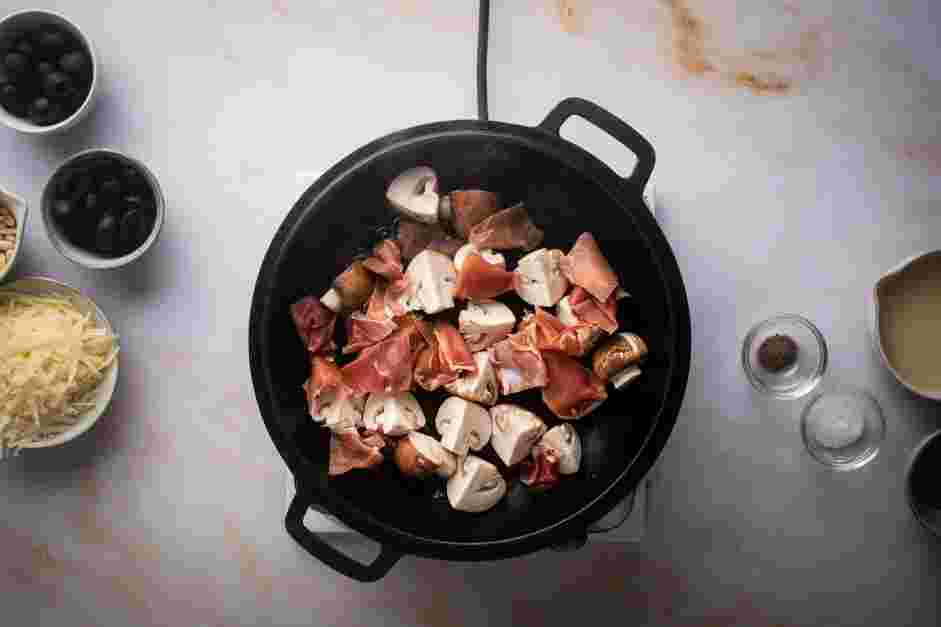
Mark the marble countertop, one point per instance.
(799, 156)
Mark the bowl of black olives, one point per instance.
(48, 72)
(102, 209)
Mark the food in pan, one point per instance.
(419, 349)
(52, 357)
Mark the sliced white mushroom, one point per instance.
(565, 314)
(432, 280)
(463, 425)
(485, 323)
(488, 255)
(331, 300)
(414, 194)
(476, 486)
(420, 455)
(482, 386)
(340, 415)
(393, 414)
(515, 432)
(564, 442)
(625, 377)
(540, 280)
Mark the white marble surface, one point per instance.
(170, 511)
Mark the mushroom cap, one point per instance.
(485, 323)
(482, 386)
(476, 485)
(414, 194)
(463, 425)
(489, 255)
(420, 455)
(539, 278)
(563, 440)
(515, 432)
(619, 352)
(432, 279)
(393, 413)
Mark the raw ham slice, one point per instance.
(445, 359)
(350, 451)
(480, 280)
(519, 364)
(548, 333)
(314, 324)
(386, 300)
(573, 390)
(414, 237)
(586, 266)
(541, 472)
(471, 206)
(590, 311)
(387, 366)
(507, 229)
(447, 246)
(364, 331)
(386, 260)
(324, 385)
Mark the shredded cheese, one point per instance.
(52, 357)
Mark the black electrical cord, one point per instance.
(483, 34)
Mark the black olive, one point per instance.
(45, 67)
(39, 111)
(75, 63)
(16, 62)
(133, 231)
(61, 209)
(91, 201)
(57, 85)
(24, 47)
(106, 233)
(111, 186)
(83, 185)
(10, 99)
(4, 77)
(52, 40)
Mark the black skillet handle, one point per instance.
(294, 523)
(613, 126)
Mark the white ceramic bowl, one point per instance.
(84, 257)
(105, 390)
(873, 310)
(16, 22)
(20, 212)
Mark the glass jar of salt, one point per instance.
(843, 428)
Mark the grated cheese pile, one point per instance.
(52, 356)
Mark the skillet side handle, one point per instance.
(613, 126)
(313, 544)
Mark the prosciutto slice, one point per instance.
(481, 280)
(541, 472)
(587, 267)
(314, 324)
(445, 359)
(324, 386)
(414, 237)
(573, 390)
(590, 311)
(548, 333)
(519, 364)
(386, 260)
(364, 331)
(385, 302)
(387, 366)
(350, 451)
(507, 229)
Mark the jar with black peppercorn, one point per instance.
(784, 356)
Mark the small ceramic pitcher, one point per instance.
(20, 211)
(877, 302)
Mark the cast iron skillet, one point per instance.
(567, 191)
